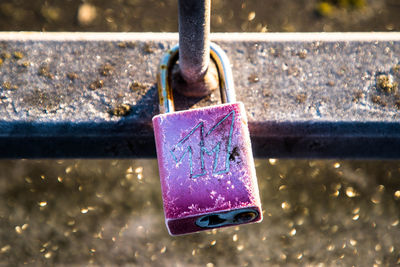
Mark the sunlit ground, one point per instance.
(108, 212)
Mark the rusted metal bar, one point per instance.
(194, 38)
(93, 94)
(198, 76)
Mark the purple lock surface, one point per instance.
(206, 166)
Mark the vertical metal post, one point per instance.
(194, 38)
(194, 48)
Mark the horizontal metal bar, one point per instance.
(94, 94)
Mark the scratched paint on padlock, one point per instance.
(221, 150)
(213, 145)
(206, 166)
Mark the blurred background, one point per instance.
(109, 212)
(227, 15)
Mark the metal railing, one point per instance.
(94, 94)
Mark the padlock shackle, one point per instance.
(226, 82)
(221, 60)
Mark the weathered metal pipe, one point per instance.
(198, 76)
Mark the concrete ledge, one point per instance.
(306, 94)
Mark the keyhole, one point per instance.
(212, 220)
(243, 217)
(227, 218)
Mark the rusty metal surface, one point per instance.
(195, 75)
(194, 38)
(306, 95)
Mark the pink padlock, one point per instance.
(206, 166)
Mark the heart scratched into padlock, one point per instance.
(206, 166)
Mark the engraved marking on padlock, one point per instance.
(203, 149)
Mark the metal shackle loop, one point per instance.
(221, 60)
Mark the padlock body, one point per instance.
(206, 167)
